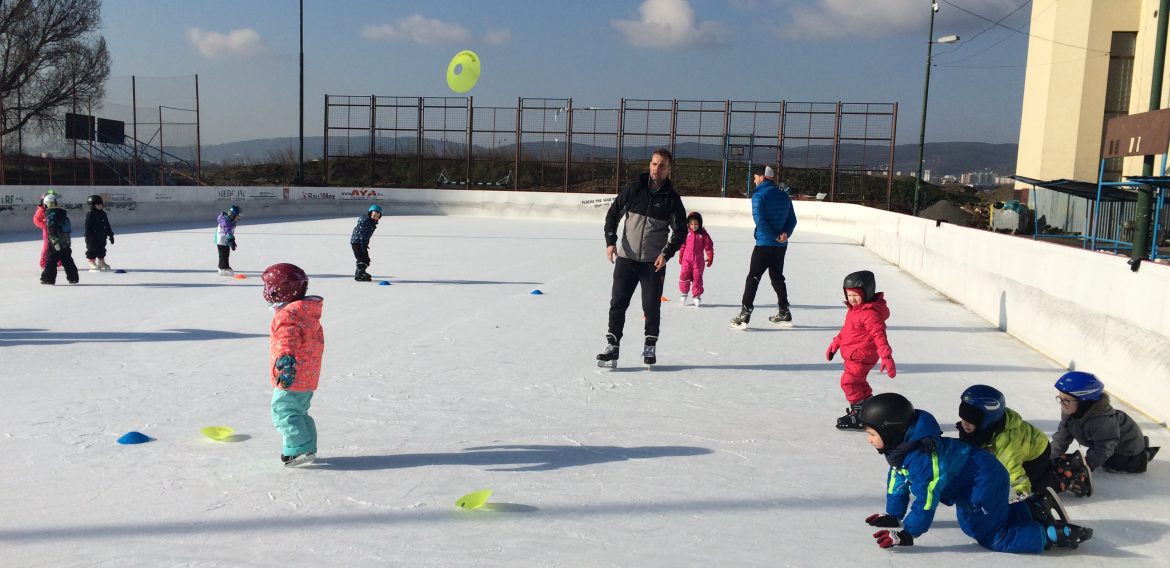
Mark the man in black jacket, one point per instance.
(654, 229)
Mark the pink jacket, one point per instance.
(863, 337)
(296, 330)
(698, 242)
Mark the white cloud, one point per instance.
(829, 19)
(418, 29)
(497, 37)
(669, 24)
(243, 42)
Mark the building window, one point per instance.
(1117, 90)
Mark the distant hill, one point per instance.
(940, 157)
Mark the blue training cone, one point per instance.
(119, 271)
(384, 283)
(536, 292)
(134, 437)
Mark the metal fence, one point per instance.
(837, 151)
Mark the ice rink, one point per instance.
(456, 378)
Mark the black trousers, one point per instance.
(1039, 470)
(65, 257)
(361, 253)
(628, 275)
(770, 259)
(224, 252)
(95, 247)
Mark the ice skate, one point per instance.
(226, 272)
(1073, 474)
(102, 266)
(93, 267)
(648, 355)
(361, 275)
(299, 459)
(741, 321)
(608, 357)
(852, 418)
(1047, 510)
(682, 299)
(697, 301)
(783, 318)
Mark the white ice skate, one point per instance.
(698, 302)
(102, 266)
(226, 272)
(93, 267)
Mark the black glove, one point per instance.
(111, 239)
(880, 520)
(887, 539)
(232, 243)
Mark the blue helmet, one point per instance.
(1084, 386)
(982, 406)
(233, 211)
(375, 209)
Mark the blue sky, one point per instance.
(596, 52)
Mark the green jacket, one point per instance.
(1018, 442)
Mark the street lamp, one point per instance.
(926, 96)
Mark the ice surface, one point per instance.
(457, 378)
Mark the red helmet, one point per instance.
(284, 283)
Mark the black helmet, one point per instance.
(890, 414)
(94, 200)
(864, 281)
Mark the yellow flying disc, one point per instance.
(463, 71)
(218, 433)
(474, 500)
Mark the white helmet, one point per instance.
(50, 200)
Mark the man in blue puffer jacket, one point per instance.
(936, 470)
(775, 220)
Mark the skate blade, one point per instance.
(739, 326)
(607, 364)
(300, 460)
(784, 325)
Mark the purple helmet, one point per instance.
(284, 283)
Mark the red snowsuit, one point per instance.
(862, 340)
(39, 220)
(690, 259)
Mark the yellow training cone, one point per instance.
(463, 71)
(218, 433)
(474, 500)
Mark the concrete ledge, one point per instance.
(1085, 310)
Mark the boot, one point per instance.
(102, 266)
(609, 356)
(782, 318)
(741, 321)
(361, 275)
(93, 267)
(1073, 474)
(852, 418)
(648, 355)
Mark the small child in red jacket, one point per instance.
(861, 341)
(690, 259)
(297, 345)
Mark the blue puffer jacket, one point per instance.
(773, 213)
(936, 470)
(364, 229)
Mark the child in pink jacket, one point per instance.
(861, 341)
(690, 257)
(297, 345)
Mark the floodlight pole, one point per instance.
(301, 104)
(925, 98)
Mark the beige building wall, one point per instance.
(1061, 123)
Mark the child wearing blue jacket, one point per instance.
(359, 241)
(936, 470)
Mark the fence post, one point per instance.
(568, 141)
(836, 151)
(373, 126)
(890, 169)
(519, 119)
(470, 136)
(418, 146)
(325, 147)
(617, 178)
(726, 146)
(673, 124)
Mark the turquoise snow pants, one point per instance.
(290, 415)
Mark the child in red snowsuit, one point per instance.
(39, 220)
(690, 259)
(861, 341)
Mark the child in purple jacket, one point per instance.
(690, 257)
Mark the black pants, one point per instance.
(224, 252)
(1039, 470)
(361, 253)
(65, 257)
(627, 275)
(95, 247)
(772, 260)
(1136, 463)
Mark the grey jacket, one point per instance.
(655, 222)
(1102, 431)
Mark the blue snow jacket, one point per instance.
(936, 470)
(364, 229)
(773, 213)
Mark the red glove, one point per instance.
(887, 539)
(710, 259)
(882, 520)
(888, 367)
(832, 350)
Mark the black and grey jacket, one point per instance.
(364, 229)
(655, 223)
(1102, 430)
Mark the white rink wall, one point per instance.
(1085, 310)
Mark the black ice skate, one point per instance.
(852, 418)
(741, 321)
(648, 356)
(361, 275)
(783, 318)
(1047, 510)
(299, 459)
(608, 358)
(1073, 474)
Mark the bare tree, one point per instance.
(50, 56)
